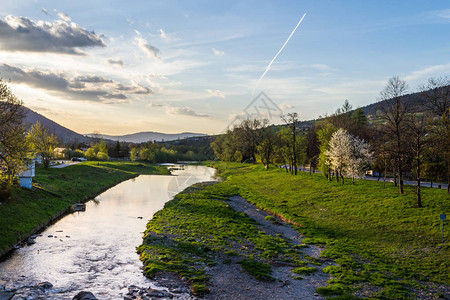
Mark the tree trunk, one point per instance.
(353, 179)
(419, 196)
(337, 175)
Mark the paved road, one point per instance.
(409, 182)
(65, 163)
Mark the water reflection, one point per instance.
(95, 250)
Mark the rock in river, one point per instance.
(84, 296)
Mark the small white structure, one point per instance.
(26, 177)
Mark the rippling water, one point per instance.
(95, 250)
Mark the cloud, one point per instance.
(151, 104)
(286, 106)
(149, 49)
(444, 13)
(427, 72)
(64, 17)
(217, 52)
(22, 34)
(85, 87)
(45, 11)
(115, 62)
(216, 93)
(163, 34)
(184, 111)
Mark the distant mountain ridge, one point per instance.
(141, 137)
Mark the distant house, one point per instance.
(26, 177)
(59, 153)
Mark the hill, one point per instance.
(66, 135)
(141, 137)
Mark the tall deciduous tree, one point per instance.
(291, 119)
(12, 133)
(393, 122)
(41, 142)
(418, 141)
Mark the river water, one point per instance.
(95, 250)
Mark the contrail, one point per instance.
(279, 51)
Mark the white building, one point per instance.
(26, 177)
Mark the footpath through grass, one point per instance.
(57, 190)
(380, 240)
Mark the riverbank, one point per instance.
(56, 190)
(382, 244)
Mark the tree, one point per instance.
(266, 149)
(146, 155)
(393, 122)
(90, 154)
(133, 155)
(12, 133)
(291, 119)
(436, 97)
(419, 131)
(348, 154)
(312, 148)
(102, 156)
(324, 135)
(41, 142)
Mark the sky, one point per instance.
(120, 67)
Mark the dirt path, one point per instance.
(229, 281)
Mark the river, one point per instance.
(95, 250)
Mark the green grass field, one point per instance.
(58, 190)
(376, 235)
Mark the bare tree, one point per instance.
(436, 97)
(12, 133)
(418, 130)
(291, 119)
(393, 122)
(266, 148)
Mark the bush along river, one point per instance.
(95, 250)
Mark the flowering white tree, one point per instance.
(348, 154)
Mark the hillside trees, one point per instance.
(41, 142)
(392, 116)
(12, 133)
(436, 97)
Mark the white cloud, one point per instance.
(285, 106)
(444, 13)
(426, 72)
(162, 34)
(64, 17)
(184, 111)
(149, 49)
(217, 52)
(216, 93)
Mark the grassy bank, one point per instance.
(378, 237)
(383, 245)
(57, 190)
(197, 229)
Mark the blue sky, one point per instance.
(120, 67)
